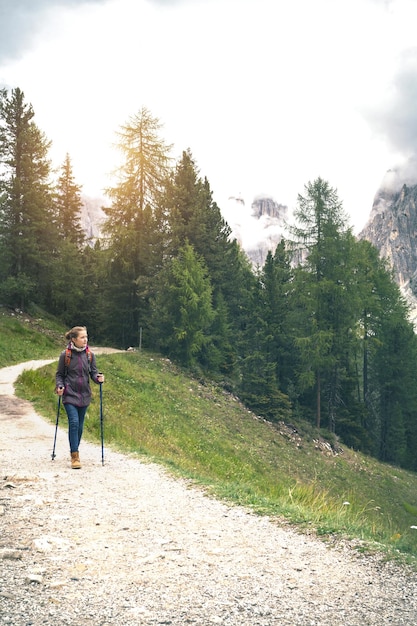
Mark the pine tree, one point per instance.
(183, 307)
(277, 300)
(393, 369)
(389, 361)
(259, 387)
(68, 205)
(193, 217)
(238, 286)
(27, 228)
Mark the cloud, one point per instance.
(396, 118)
(21, 20)
(170, 2)
(399, 118)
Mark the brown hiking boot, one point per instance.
(75, 460)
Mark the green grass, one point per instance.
(153, 409)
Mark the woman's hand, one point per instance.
(60, 390)
(100, 377)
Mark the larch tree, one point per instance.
(322, 234)
(135, 242)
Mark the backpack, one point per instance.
(68, 353)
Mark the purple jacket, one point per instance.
(76, 380)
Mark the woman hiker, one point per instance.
(76, 365)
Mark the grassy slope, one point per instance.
(23, 337)
(153, 409)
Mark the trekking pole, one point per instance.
(56, 426)
(101, 423)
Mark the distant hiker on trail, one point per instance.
(76, 365)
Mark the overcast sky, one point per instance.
(267, 94)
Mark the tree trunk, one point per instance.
(318, 401)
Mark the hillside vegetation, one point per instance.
(155, 410)
(25, 337)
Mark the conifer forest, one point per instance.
(320, 333)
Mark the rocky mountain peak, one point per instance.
(266, 206)
(92, 218)
(258, 228)
(392, 228)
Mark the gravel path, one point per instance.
(125, 544)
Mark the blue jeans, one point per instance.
(76, 415)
